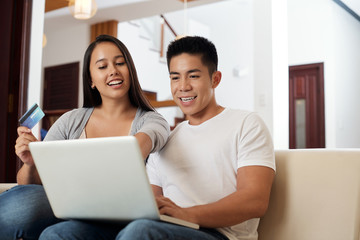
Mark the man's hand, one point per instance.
(250, 200)
(168, 207)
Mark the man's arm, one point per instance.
(157, 191)
(249, 201)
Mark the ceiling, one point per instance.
(51, 5)
(353, 5)
(58, 15)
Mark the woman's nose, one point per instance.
(113, 70)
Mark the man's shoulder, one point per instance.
(227, 115)
(237, 111)
(179, 127)
(231, 115)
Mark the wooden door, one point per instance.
(61, 86)
(306, 106)
(15, 31)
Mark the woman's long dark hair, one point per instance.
(92, 96)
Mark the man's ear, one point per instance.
(216, 78)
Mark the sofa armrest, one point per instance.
(6, 186)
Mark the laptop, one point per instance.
(101, 179)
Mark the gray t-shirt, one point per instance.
(71, 124)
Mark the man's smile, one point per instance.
(187, 99)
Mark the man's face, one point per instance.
(191, 85)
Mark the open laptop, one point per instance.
(97, 179)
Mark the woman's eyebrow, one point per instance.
(100, 60)
(119, 56)
(103, 59)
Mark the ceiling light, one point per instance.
(82, 9)
(44, 40)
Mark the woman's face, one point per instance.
(109, 72)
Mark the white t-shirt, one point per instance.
(198, 165)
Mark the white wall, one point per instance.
(66, 46)
(321, 31)
(231, 31)
(234, 45)
(152, 71)
(37, 25)
(253, 38)
(280, 74)
(310, 41)
(346, 47)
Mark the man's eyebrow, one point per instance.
(194, 70)
(190, 71)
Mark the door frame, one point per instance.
(317, 131)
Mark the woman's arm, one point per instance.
(155, 127)
(145, 143)
(27, 173)
(59, 130)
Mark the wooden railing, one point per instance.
(52, 115)
(163, 24)
(152, 97)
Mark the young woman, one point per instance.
(114, 105)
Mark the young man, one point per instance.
(218, 167)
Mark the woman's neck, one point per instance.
(114, 109)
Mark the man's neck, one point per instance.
(205, 115)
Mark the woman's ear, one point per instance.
(216, 78)
(92, 85)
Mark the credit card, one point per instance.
(32, 116)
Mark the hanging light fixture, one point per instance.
(185, 18)
(82, 9)
(185, 22)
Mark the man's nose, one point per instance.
(184, 85)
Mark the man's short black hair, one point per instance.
(195, 46)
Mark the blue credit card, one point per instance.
(32, 116)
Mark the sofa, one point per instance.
(315, 196)
(5, 186)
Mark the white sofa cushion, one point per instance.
(6, 186)
(315, 196)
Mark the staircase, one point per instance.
(147, 40)
(152, 97)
